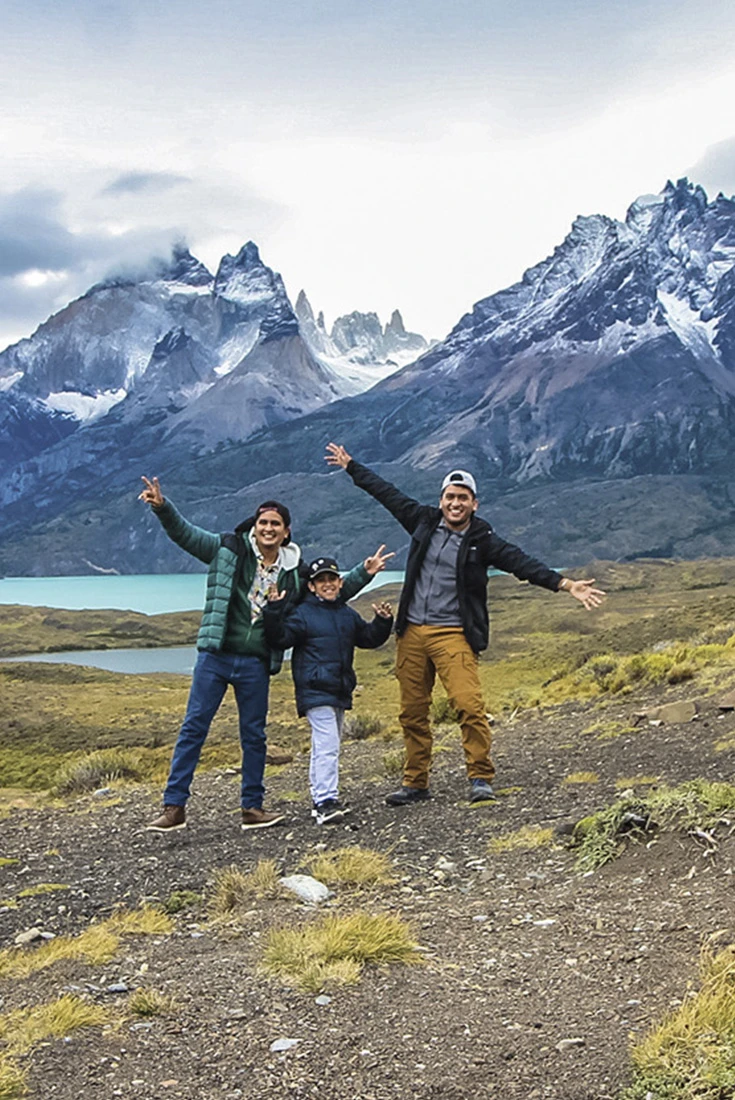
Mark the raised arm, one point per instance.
(406, 510)
(196, 541)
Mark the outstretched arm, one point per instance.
(406, 510)
(583, 591)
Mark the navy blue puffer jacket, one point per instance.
(323, 634)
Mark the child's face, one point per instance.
(326, 586)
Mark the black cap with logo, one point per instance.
(322, 565)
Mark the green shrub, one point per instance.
(98, 769)
(442, 711)
(358, 727)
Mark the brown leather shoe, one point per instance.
(259, 819)
(172, 818)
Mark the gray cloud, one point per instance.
(716, 169)
(32, 234)
(134, 183)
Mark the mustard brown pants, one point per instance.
(422, 652)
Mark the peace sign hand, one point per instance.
(152, 493)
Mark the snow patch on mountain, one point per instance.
(83, 406)
(9, 380)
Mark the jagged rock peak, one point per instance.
(245, 279)
(183, 268)
(395, 326)
(304, 312)
(176, 339)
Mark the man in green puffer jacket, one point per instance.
(231, 641)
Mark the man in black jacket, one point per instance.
(442, 621)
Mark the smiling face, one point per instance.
(270, 531)
(326, 586)
(457, 506)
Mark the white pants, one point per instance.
(326, 730)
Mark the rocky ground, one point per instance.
(536, 978)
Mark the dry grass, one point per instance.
(522, 840)
(627, 782)
(146, 921)
(24, 1028)
(149, 1002)
(42, 888)
(235, 889)
(350, 866)
(12, 1080)
(691, 1053)
(581, 777)
(98, 769)
(96, 945)
(335, 949)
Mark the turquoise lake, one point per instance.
(153, 593)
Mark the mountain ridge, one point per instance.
(610, 364)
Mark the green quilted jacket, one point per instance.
(230, 557)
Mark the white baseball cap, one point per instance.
(460, 477)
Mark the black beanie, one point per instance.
(267, 506)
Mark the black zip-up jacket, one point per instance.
(323, 634)
(481, 549)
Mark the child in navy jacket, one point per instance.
(323, 632)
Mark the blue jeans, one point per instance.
(212, 674)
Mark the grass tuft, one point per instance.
(42, 888)
(146, 921)
(12, 1080)
(696, 804)
(335, 949)
(358, 727)
(581, 777)
(691, 1053)
(149, 1002)
(96, 945)
(98, 769)
(442, 711)
(235, 889)
(7, 861)
(522, 840)
(393, 761)
(350, 866)
(178, 900)
(23, 1028)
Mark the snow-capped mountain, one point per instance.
(594, 400)
(206, 358)
(358, 348)
(598, 394)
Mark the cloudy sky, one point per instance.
(388, 154)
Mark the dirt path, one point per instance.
(523, 954)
